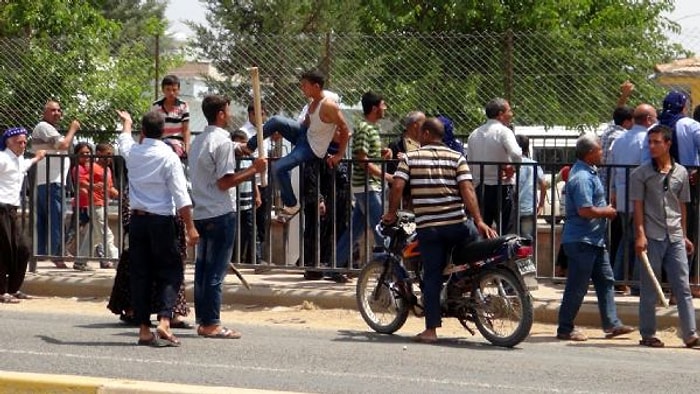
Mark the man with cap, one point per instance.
(14, 248)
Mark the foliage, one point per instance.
(70, 51)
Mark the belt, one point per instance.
(139, 212)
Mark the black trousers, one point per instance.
(155, 258)
(489, 197)
(14, 251)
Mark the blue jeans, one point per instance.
(295, 133)
(435, 245)
(367, 205)
(216, 237)
(672, 258)
(49, 213)
(587, 262)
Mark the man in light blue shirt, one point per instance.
(530, 176)
(628, 151)
(583, 240)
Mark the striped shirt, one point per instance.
(366, 140)
(174, 119)
(433, 173)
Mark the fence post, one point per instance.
(326, 61)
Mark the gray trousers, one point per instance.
(671, 256)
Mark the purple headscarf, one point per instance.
(9, 133)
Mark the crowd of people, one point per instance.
(169, 206)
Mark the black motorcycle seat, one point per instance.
(478, 250)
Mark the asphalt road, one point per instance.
(339, 361)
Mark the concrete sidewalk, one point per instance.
(282, 287)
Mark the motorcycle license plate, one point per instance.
(526, 266)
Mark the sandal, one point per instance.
(575, 336)
(8, 299)
(223, 333)
(22, 296)
(423, 339)
(651, 342)
(167, 337)
(154, 341)
(617, 331)
(693, 342)
(181, 324)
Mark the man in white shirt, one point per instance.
(495, 142)
(157, 188)
(50, 179)
(214, 176)
(14, 247)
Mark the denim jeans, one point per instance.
(295, 133)
(587, 262)
(367, 206)
(154, 259)
(672, 258)
(49, 213)
(216, 237)
(435, 245)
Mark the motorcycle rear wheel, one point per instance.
(380, 304)
(503, 308)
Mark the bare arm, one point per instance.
(230, 180)
(186, 135)
(395, 195)
(607, 212)
(640, 238)
(67, 141)
(625, 92)
(330, 113)
(191, 233)
(372, 168)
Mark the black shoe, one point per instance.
(313, 275)
(339, 278)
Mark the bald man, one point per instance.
(627, 150)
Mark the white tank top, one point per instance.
(320, 134)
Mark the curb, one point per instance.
(21, 382)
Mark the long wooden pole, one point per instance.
(650, 271)
(257, 103)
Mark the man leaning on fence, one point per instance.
(14, 247)
(157, 188)
(50, 180)
(660, 190)
(495, 142)
(583, 240)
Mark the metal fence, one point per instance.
(552, 79)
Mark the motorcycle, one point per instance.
(483, 284)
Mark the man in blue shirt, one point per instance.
(583, 240)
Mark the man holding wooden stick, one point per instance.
(659, 191)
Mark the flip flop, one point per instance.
(421, 339)
(154, 341)
(22, 296)
(167, 337)
(223, 333)
(8, 299)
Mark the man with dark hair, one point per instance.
(50, 179)
(495, 142)
(660, 191)
(583, 240)
(367, 180)
(213, 173)
(439, 194)
(14, 246)
(311, 137)
(175, 111)
(157, 188)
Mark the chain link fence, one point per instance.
(552, 79)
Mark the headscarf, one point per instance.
(9, 133)
(672, 112)
(449, 137)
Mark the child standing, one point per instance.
(175, 111)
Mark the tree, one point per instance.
(67, 50)
(558, 61)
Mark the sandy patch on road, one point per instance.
(308, 316)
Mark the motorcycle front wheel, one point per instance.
(379, 302)
(503, 308)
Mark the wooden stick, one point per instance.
(647, 267)
(257, 103)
